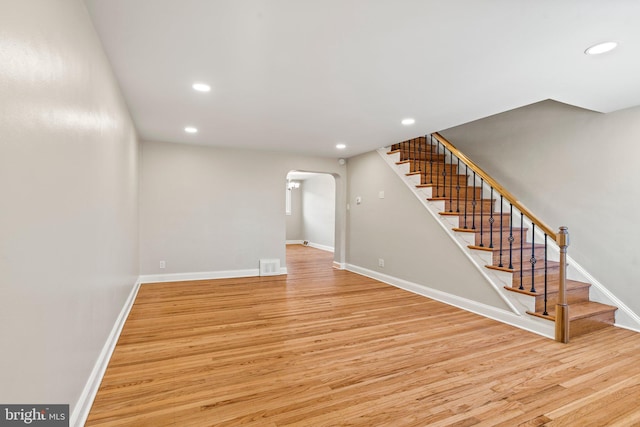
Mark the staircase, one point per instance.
(518, 251)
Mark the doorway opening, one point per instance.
(311, 209)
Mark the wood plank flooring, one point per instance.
(323, 347)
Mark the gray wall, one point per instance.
(571, 167)
(294, 224)
(399, 230)
(68, 201)
(318, 209)
(207, 209)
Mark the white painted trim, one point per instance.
(283, 270)
(85, 401)
(529, 323)
(294, 242)
(205, 275)
(321, 247)
(339, 265)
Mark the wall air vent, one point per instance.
(269, 267)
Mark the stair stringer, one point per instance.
(518, 303)
(625, 317)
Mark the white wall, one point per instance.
(571, 167)
(399, 230)
(68, 200)
(207, 209)
(318, 210)
(294, 222)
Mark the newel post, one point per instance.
(562, 308)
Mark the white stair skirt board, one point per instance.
(625, 317)
(529, 323)
(205, 275)
(85, 401)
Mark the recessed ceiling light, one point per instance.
(201, 87)
(601, 48)
(408, 121)
(341, 146)
(191, 129)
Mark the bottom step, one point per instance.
(584, 317)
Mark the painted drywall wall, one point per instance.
(399, 230)
(294, 221)
(206, 209)
(68, 201)
(571, 167)
(318, 210)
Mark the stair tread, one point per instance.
(525, 245)
(435, 185)
(497, 229)
(579, 310)
(552, 287)
(446, 198)
(517, 266)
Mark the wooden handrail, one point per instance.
(493, 183)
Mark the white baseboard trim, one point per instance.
(204, 275)
(526, 322)
(85, 401)
(339, 265)
(321, 247)
(294, 242)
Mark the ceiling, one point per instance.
(302, 76)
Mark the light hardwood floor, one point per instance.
(323, 347)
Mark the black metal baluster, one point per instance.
(521, 250)
(501, 199)
(466, 191)
(457, 186)
(481, 214)
(450, 180)
(491, 221)
(431, 164)
(533, 256)
(473, 205)
(414, 156)
(437, 174)
(444, 174)
(545, 275)
(511, 236)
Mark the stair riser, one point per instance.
(515, 255)
(438, 180)
(417, 149)
(484, 220)
(434, 168)
(538, 278)
(410, 143)
(489, 239)
(425, 161)
(458, 197)
(452, 206)
(584, 326)
(573, 296)
(431, 173)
